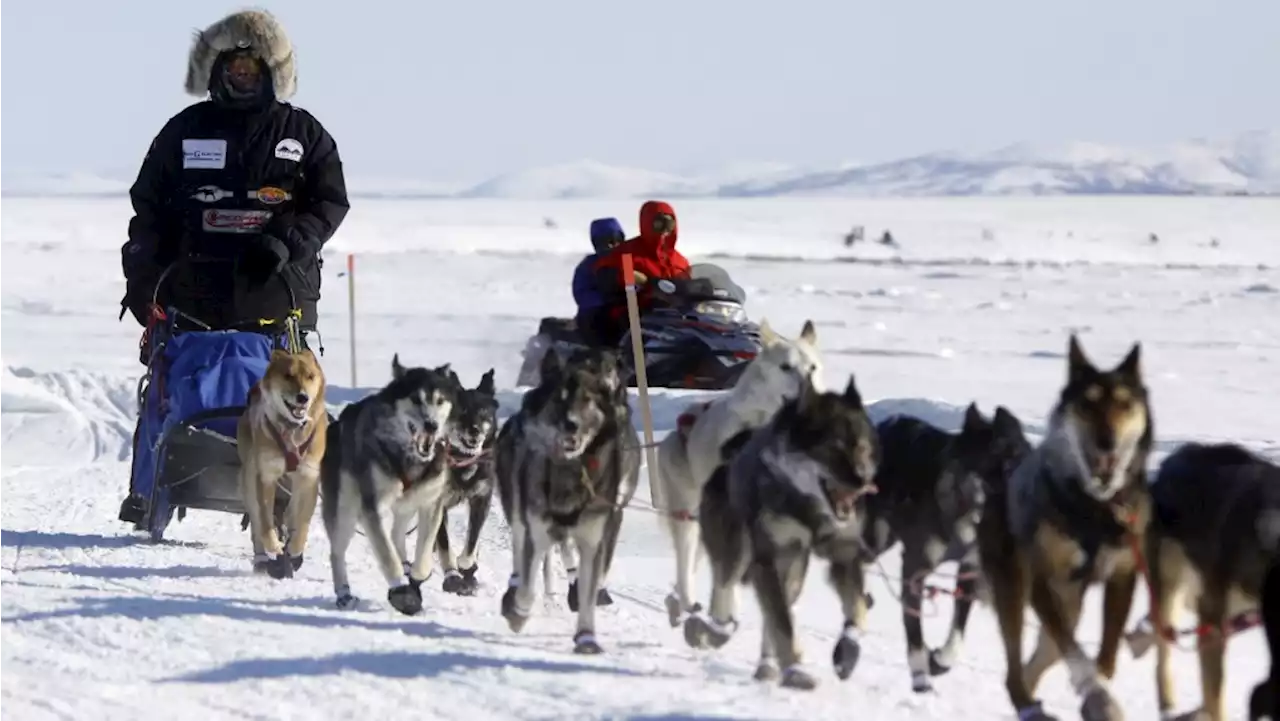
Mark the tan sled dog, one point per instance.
(280, 439)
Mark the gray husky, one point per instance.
(471, 479)
(567, 464)
(389, 450)
(794, 488)
(932, 488)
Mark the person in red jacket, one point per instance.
(653, 256)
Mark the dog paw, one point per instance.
(939, 664)
(920, 682)
(1035, 712)
(703, 632)
(280, 567)
(675, 612)
(584, 642)
(603, 598)
(1099, 705)
(870, 600)
(346, 602)
(406, 599)
(767, 670)
(261, 563)
(469, 583)
(572, 596)
(845, 656)
(296, 561)
(797, 678)
(515, 619)
(453, 582)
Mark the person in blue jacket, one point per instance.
(606, 234)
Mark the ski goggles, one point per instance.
(663, 223)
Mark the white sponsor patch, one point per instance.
(289, 149)
(234, 221)
(206, 154)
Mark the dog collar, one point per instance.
(292, 454)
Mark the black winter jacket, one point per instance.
(217, 186)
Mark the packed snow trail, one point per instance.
(184, 627)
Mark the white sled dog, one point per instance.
(688, 457)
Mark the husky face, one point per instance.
(571, 406)
(603, 363)
(476, 418)
(833, 430)
(423, 400)
(1103, 418)
(292, 384)
(984, 454)
(783, 367)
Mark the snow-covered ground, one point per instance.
(975, 304)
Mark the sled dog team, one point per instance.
(779, 470)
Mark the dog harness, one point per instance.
(685, 421)
(292, 453)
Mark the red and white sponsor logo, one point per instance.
(235, 221)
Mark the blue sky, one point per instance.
(464, 90)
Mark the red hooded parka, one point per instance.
(652, 254)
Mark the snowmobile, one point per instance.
(696, 336)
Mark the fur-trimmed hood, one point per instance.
(257, 29)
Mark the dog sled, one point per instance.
(696, 336)
(190, 398)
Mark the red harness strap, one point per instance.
(292, 453)
(685, 421)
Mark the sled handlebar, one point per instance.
(164, 275)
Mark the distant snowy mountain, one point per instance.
(1248, 163)
(586, 179)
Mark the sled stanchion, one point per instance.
(351, 312)
(642, 381)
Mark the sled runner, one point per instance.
(195, 388)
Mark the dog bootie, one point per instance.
(797, 678)
(584, 642)
(1100, 706)
(406, 599)
(845, 655)
(515, 619)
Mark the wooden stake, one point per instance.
(351, 312)
(642, 380)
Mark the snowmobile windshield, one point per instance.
(718, 281)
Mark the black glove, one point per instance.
(263, 257)
(137, 299)
(300, 247)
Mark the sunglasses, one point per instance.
(664, 223)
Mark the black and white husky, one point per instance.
(389, 450)
(931, 492)
(471, 480)
(567, 464)
(794, 488)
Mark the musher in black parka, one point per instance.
(241, 190)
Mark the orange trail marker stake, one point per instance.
(642, 380)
